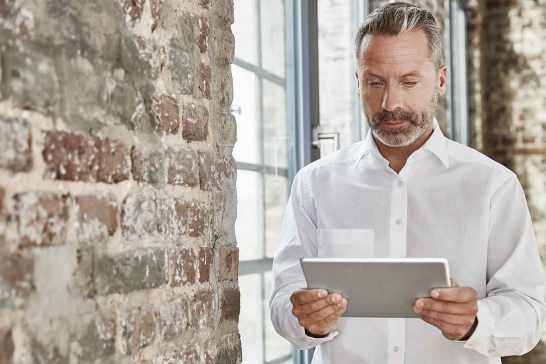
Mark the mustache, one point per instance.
(399, 115)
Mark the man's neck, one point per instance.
(397, 157)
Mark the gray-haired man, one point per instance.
(407, 191)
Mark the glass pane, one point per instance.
(245, 108)
(276, 137)
(339, 104)
(249, 223)
(251, 319)
(245, 30)
(275, 345)
(276, 197)
(273, 36)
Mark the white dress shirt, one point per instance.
(448, 201)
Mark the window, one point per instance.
(456, 58)
(264, 154)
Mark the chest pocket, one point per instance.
(345, 243)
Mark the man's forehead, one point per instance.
(410, 47)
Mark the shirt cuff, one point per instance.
(479, 340)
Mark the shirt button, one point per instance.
(395, 349)
(398, 222)
(400, 183)
(416, 155)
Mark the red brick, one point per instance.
(143, 332)
(529, 140)
(530, 151)
(167, 114)
(173, 318)
(202, 40)
(155, 7)
(201, 310)
(195, 118)
(215, 171)
(229, 263)
(183, 263)
(15, 279)
(134, 8)
(231, 304)
(198, 220)
(148, 164)
(205, 258)
(101, 208)
(73, 157)
(204, 77)
(42, 218)
(182, 166)
(7, 347)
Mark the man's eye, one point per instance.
(375, 84)
(410, 84)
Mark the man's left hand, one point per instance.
(453, 311)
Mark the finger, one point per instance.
(463, 320)
(328, 324)
(446, 307)
(452, 332)
(455, 294)
(308, 295)
(322, 314)
(331, 299)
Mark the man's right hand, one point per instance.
(317, 311)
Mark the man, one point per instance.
(407, 191)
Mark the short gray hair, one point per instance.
(394, 18)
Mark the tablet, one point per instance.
(377, 287)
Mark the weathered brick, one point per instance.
(231, 304)
(225, 128)
(201, 310)
(15, 280)
(172, 216)
(134, 8)
(229, 351)
(199, 219)
(15, 150)
(183, 263)
(138, 216)
(205, 3)
(179, 65)
(182, 166)
(167, 114)
(130, 271)
(7, 347)
(223, 46)
(215, 171)
(155, 8)
(73, 157)
(149, 164)
(179, 357)
(42, 218)
(204, 78)
(195, 118)
(138, 329)
(97, 342)
(173, 318)
(229, 263)
(205, 260)
(97, 217)
(202, 39)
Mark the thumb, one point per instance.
(453, 283)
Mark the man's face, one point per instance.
(398, 86)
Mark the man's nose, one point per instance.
(392, 99)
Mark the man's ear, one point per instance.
(357, 83)
(442, 80)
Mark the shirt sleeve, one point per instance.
(511, 316)
(297, 240)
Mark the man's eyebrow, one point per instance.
(409, 74)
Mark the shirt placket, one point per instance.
(397, 249)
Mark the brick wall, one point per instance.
(117, 182)
(515, 107)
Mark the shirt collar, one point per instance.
(436, 143)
